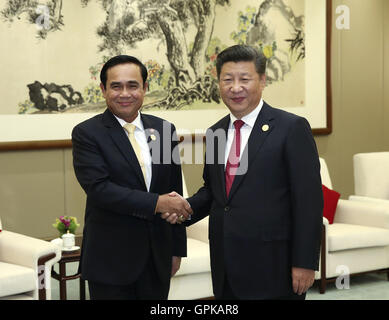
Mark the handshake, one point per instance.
(173, 208)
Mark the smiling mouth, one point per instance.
(238, 99)
(124, 103)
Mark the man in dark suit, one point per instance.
(126, 163)
(262, 190)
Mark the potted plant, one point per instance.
(66, 223)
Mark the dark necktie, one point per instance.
(233, 157)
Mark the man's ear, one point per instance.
(145, 86)
(263, 81)
(102, 89)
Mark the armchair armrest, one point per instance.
(24, 250)
(33, 253)
(369, 199)
(362, 213)
(325, 229)
(199, 230)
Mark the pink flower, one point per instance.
(66, 222)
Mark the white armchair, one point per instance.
(193, 280)
(371, 177)
(25, 266)
(357, 241)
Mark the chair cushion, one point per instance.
(331, 199)
(348, 236)
(15, 279)
(197, 260)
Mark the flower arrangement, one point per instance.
(65, 224)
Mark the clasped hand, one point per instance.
(173, 208)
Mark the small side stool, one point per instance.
(73, 256)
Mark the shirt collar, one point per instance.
(250, 118)
(137, 122)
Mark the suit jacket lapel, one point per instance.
(121, 140)
(154, 140)
(261, 130)
(219, 152)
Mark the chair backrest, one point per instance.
(184, 188)
(199, 230)
(371, 174)
(325, 175)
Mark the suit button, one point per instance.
(226, 209)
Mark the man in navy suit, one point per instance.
(127, 164)
(262, 190)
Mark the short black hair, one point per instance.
(121, 59)
(239, 53)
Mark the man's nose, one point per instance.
(125, 92)
(236, 86)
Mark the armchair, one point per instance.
(357, 241)
(25, 266)
(371, 177)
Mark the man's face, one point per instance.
(241, 87)
(124, 91)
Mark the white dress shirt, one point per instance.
(245, 131)
(140, 137)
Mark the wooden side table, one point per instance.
(73, 256)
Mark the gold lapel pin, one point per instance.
(265, 127)
(153, 137)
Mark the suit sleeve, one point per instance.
(179, 231)
(201, 201)
(306, 195)
(91, 170)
